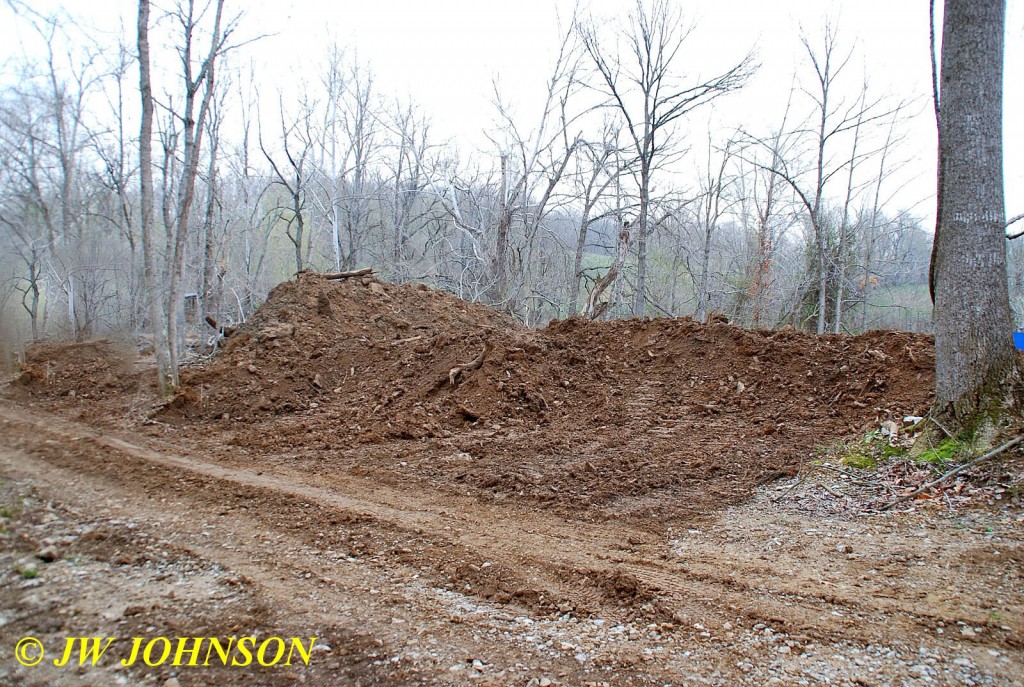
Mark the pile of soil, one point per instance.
(82, 370)
(634, 416)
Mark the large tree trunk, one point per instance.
(975, 361)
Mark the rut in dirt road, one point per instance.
(544, 565)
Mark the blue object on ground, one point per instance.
(1018, 340)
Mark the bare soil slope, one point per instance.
(635, 416)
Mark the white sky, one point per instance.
(445, 54)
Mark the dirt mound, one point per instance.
(317, 342)
(634, 416)
(89, 369)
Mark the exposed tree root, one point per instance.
(474, 364)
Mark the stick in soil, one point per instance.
(475, 363)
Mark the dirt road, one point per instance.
(402, 585)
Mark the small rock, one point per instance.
(844, 548)
(172, 682)
(544, 682)
(47, 554)
(967, 632)
(784, 649)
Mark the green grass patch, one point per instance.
(28, 573)
(867, 452)
(949, 451)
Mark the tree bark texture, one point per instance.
(153, 276)
(974, 353)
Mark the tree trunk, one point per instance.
(208, 302)
(701, 313)
(501, 237)
(577, 261)
(843, 228)
(640, 297)
(975, 361)
(154, 281)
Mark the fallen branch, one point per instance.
(791, 487)
(852, 479)
(829, 490)
(475, 363)
(960, 468)
(348, 275)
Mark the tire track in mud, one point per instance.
(513, 556)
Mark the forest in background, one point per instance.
(610, 202)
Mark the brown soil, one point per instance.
(582, 509)
(651, 417)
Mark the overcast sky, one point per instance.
(446, 55)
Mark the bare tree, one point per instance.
(712, 204)
(297, 142)
(154, 282)
(765, 212)
(643, 87)
(532, 165)
(598, 171)
(199, 83)
(832, 119)
(412, 131)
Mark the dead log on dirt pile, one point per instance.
(348, 275)
(225, 331)
(474, 364)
